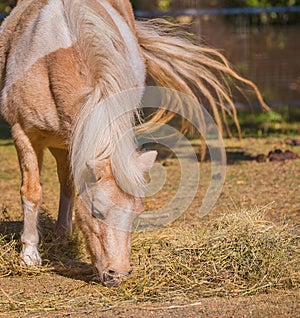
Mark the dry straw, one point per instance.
(237, 254)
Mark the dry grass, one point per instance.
(247, 251)
(237, 254)
(10, 262)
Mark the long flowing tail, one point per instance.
(174, 62)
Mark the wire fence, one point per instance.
(211, 11)
(218, 11)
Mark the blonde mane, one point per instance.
(104, 125)
(171, 60)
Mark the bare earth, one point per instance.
(60, 293)
(281, 304)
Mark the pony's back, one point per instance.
(12, 28)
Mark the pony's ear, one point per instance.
(146, 160)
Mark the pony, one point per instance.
(59, 60)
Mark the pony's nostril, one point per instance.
(111, 272)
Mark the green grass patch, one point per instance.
(284, 120)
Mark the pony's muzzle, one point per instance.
(112, 278)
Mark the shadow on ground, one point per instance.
(233, 154)
(236, 154)
(62, 255)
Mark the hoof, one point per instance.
(30, 256)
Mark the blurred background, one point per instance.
(261, 38)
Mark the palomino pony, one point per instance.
(59, 59)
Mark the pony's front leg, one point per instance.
(30, 159)
(66, 201)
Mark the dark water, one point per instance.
(268, 55)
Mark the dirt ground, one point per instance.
(59, 293)
(278, 304)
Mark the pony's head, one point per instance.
(105, 214)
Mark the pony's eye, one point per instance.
(98, 215)
(98, 179)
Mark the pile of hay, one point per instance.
(10, 261)
(237, 254)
